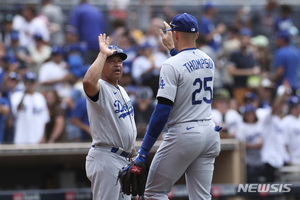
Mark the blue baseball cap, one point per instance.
(284, 35)
(57, 50)
(14, 35)
(184, 23)
(38, 36)
(13, 76)
(118, 51)
(30, 76)
(250, 96)
(208, 5)
(249, 108)
(293, 100)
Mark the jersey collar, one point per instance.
(194, 48)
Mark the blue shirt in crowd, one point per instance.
(288, 58)
(206, 27)
(80, 112)
(89, 22)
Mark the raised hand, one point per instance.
(103, 45)
(167, 39)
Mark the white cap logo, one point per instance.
(193, 29)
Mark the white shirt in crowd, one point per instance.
(31, 119)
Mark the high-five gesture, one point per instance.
(103, 45)
(167, 39)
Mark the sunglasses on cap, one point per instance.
(173, 25)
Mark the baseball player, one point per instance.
(111, 119)
(184, 104)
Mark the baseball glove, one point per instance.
(133, 178)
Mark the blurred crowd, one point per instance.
(43, 59)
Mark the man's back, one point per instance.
(90, 23)
(189, 78)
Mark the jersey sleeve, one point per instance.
(168, 82)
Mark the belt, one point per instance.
(120, 151)
(201, 120)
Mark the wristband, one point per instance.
(173, 52)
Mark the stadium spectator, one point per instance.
(72, 41)
(118, 10)
(31, 112)
(143, 109)
(250, 98)
(2, 50)
(7, 28)
(263, 19)
(55, 73)
(21, 53)
(33, 24)
(284, 21)
(273, 152)
(4, 112)
(224, 114)
(231, 43)
(9, 64)
(146, 67)
(292, 129)
(55, 18)
(126, 82)
(129, 45)
(68, 104)
(151, 35)
(89, 22)
(242, 17)
(212, 34)
(242, 66)
(13, 84)
(262, 54)
(265, 93)
(80, 119)
(39, 52)
(55, 128)
(286, 61)
(250, 133)
(140, 16)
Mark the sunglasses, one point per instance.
(173, 25)
(113, 47)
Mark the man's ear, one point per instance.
(176, 35)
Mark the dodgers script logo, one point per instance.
(122, 108)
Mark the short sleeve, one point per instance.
(168, 82)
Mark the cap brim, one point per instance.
(122, 55)
(170, 29)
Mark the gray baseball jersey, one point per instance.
(188, 82)
(111, 125)
(110, 121)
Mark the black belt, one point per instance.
(119, 151)
(202, 120)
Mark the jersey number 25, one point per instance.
(207, 89)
